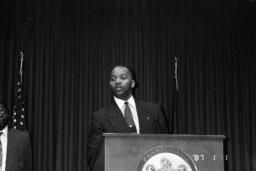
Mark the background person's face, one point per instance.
(121, 82)
(3, 117)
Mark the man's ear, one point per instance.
(133, 83)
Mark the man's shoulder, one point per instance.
(104, 109)
(17, 133)
(148, 104)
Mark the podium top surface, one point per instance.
(189, 136)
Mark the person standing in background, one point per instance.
(15, 145)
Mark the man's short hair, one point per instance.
(4, 106)
(129, 69)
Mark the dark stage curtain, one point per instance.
(70, 46)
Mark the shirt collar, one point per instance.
(4, 131)
(120, 102)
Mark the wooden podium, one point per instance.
(150, 152)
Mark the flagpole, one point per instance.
(21, 65)
(176, 72)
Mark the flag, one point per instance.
(18, 116)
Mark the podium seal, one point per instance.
(166, 158)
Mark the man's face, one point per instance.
(3, 116)
(121, 82)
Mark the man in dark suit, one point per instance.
(15, 146)
(124, 115)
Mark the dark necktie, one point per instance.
(128, 117)
(1, 151)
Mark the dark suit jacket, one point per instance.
(19, 155)
(110, 120)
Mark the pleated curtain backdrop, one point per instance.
(70, 46)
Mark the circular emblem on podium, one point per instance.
(166, 158)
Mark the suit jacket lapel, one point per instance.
(10, 149)
(141, 112)
(116, 119)
(145, 119)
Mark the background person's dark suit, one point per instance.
(18, 150)
(19, 153)
(110, 120)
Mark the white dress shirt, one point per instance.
(132, 105)
(4, 147)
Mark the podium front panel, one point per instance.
(147, 152)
